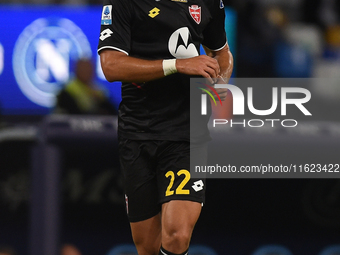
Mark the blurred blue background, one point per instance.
(40, 49)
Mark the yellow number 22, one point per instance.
(179, 190)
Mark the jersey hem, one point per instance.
(112, 48)
(220, 47)
(148, 136)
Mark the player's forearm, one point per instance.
(225, 61)
(119, 67)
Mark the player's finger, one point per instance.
(223, 96)
(222, 92)
(213, 64)
(212, 73)
(207, 76)
(221, 80)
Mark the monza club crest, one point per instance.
(195, 12)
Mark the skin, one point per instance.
(117, 66)
(226, 63)
(69, 249)
(174, 225)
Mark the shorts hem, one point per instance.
(143, 217)
(198, 200)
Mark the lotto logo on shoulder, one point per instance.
(105, 34)
(107, 15)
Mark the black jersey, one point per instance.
(160, 29)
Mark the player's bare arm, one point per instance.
(226, 63)
(117, 66)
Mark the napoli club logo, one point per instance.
(195, 12)
(43, 55)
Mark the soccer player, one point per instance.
(152, 46)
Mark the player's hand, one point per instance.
(222, 92)
(202, 65)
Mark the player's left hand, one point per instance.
(222, 92)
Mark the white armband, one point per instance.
(169, 66)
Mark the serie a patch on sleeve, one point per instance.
(107, 15)
(221, 4)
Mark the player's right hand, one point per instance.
(203, 65)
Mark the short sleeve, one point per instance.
(115, 30)
(214, 34)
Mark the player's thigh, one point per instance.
(146, 235)
(140, 179)
(180, 216)
(178, 221)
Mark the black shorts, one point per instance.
(156, 172)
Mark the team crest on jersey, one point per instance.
(107, 15)
(195, 12)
